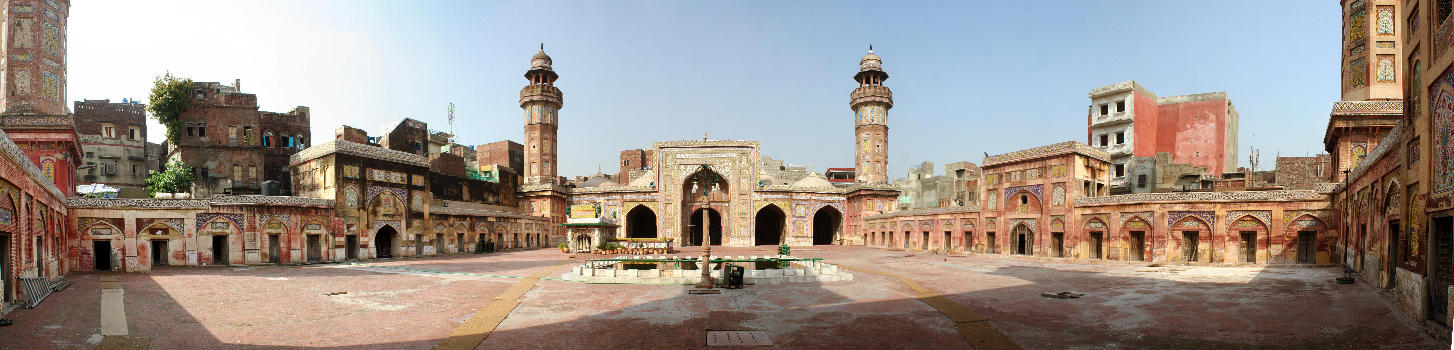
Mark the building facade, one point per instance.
(113, 141)
(35, 237)
(1127, 120)
(231, 145)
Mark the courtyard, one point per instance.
(419, 303)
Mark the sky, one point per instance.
(968, 77)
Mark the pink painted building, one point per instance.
(1126, 120)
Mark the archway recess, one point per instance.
(641, 223)
(825, 225)
(769, 227)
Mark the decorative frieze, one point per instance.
(1264, 215)
(1208, 217)
(1240, 196)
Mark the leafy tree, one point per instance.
(174, 179)
(169, 97)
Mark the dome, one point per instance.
(870, 62)
(813, 180)
(599, 180)
(540, 60)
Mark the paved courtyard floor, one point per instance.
(418, 303)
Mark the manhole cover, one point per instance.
(737, 338)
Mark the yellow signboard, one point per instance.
(584, 211)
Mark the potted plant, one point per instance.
(564, 248)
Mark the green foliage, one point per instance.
(608, 245)
(169, 97)
(174, 179)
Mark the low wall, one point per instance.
(811, 271)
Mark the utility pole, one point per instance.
(451, 123)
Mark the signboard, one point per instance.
(585, 211)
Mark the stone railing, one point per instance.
(926, 211)
(355, 149)
(1240, 196)
(140, 203)
(477, 212)
(273, 200)
(1046, 151)
(36, 121)
(790, 188)
(155, 203)
(609, 189)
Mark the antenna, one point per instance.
(451, 123)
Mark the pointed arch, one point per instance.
(827, 223)
(769, 225)
(641, 222)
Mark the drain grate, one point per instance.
(737, 338)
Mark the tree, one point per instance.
(174, 179)
(169, 97)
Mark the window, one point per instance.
(1105, 140)
(90, 154)
(1445, 6)
(267, 139)
(1121, 106)
(1141, 181)
(133, 134)
(252, 173)
(1120, 137)
(1120, 170)
(288, 141)
(232, 133)
(134, 171)
(202, 129)
(247, 135)
(236, 173)
(189, 129)
(108, 131)
(302, 142)
(1024, 200)
(1105, 109)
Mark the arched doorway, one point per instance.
(641, 222)
(704, 191)
(714, 221)
(825, 225)
(1024, 239)
(384, 242)
(769, 228)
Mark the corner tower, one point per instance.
(871, 102)
(541, 100)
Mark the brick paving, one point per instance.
(417, 303)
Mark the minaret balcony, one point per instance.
(540, 93)
(871, 94)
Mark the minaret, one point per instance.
(541, 100)
(871, 102)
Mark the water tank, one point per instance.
(270, 188)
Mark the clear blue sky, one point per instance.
(968, 77)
